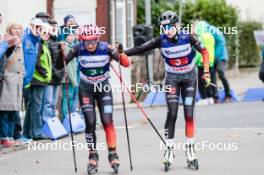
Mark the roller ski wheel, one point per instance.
(192, 161)
(168, 158)
(193, 164)
(114, 161)
(167, 166)
(92, 167)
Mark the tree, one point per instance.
(249, 55)
(216, 12)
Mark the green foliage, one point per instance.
(156, 10)
(218, 13)
(249, 51)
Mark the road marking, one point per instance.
(123, 127)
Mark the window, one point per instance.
(130, 22)
(121, 21)
(112, 18)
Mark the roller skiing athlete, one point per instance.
(94, 59)
(178, 49)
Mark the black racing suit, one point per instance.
(181, 84)
(89, 95)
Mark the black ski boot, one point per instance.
(114, 161)
(93, 163)
(192, 161)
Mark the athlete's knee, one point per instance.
(90, 127)
(90, 122)
(109, 127)
(110, 135)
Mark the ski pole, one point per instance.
(69, 113)
(214, 85)
(138, 105)
(125, 116)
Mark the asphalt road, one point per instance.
(238, 128)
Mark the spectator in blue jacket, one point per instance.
(30, 42)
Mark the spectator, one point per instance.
(261, 72)
(8, 41)
(1, 18)
(31, 40)
(43, 16)
(11, 86)
(51, 90)
(41, 76)
(221, 58)
(30, 44)
(69, 25)
(208, 41)
(72, 73)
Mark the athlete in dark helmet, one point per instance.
(178, 49)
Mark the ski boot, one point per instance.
(192, 161)
(114, 161)
(168, 157)
(93, 163)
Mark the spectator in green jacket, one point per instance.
(208, 41)
(51, 90)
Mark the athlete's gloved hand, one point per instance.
(207, 79)
(124, 61)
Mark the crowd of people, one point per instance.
(31, 69)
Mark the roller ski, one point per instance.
(93, 163)
(168, 158)
(114, 161)
(192, 161)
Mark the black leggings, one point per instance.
(88, 96)
(184, 85)
(220, 68)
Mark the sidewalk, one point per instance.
(245, 79)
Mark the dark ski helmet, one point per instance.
(168, 17)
